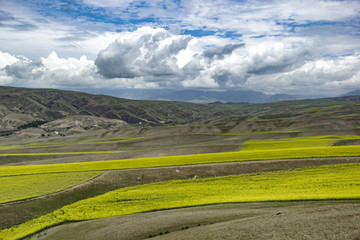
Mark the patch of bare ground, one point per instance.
(18, 212)
(141, 144)
(272, 220)
(25, 160)
(349, 142)
(128, 155)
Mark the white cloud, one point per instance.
(147, 52)
(153, 58)
(7, 59)
(262, 17)
(319, 77)
(109, 3)
(52, 71)
(322, 10)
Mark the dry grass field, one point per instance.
(277, 220)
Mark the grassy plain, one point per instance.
(327, 182)
(16, 188)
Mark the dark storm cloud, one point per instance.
(278, 62)
(23, 69)
(220, 52)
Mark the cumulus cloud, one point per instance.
(318, 77)
(146, 52)
(153, 58)
(272, 57)
(220, 52)
(7, 59)
(51, 71)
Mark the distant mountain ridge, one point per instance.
(41, 112)
(22, 108)
(194, 96)
(352, 93)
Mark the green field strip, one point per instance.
(317, 183)
(298, 142)
(8, 147)
(317, 109)
(28, 186)
(292, 153)
(54, 153)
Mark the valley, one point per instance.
(209, 171)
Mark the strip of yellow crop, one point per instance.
(315, 152)
(327, 182)
(8, 147)
(313, 141)
(28, 186)
(54, 153)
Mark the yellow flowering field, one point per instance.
(16, 188)
(318, 183)
(249, 155)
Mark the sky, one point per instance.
(298, 47)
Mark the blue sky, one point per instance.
(296, 47)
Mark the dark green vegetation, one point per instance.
(94, 125)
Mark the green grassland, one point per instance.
(327, 182)
(16, 188)
(299, 142)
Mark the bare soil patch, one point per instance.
(349, 142)
(274, 220)
(125, 155)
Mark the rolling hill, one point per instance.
(127, 146)
(45, 111)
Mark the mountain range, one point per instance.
(48, 111)
(194, 96)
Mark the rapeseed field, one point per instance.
(16, 188)
(249, 155)
(317, 183)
